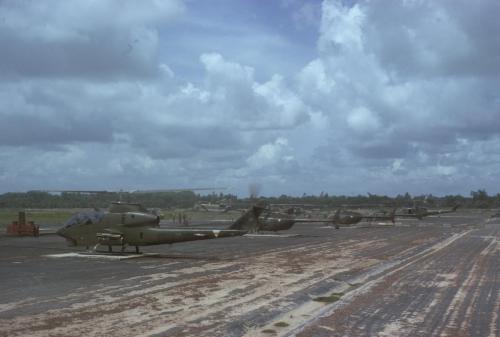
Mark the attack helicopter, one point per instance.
(273, 221)
(128, 224)
(220, 206)
(421, 212)
(347, 218)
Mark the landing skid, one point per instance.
(264, 235)
(95, 250)
(103, 255)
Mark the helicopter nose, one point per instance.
(63, 232)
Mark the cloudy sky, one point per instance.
(344, 97)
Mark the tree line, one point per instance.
(188, 199)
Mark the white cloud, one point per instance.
(395, 97)
(269, 154)
(395, 76)
(285, 108)
(313, 80)
(341, 28)
(363, 120)
(107, 40)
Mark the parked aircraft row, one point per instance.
(130, 224)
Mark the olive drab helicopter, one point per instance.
(221, 206)
(274, 221)
(278, 221)
(127, 224)
(420, 212)
(347, 218)
(130, 224)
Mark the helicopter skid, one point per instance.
(272, 235)
(103, 255)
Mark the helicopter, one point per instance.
(273, 221)
(348, 218)
(127, 224)
(421, 212)
(220, 206)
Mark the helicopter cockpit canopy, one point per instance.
(84, 218)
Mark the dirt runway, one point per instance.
(437, 277)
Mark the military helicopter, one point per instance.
(421, 212)
(273, 221)
(220, 206)
(128, 224)
(294, 209)
(347, 218)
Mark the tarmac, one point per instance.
(435, 277)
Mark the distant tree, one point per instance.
(480, 199)
(479, 195)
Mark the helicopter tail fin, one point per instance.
(249, 220)
(336, 219)
(336, 216)
(392, 215)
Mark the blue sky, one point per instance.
(255, 33)
(297, 96)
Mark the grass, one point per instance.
(39, 216)
(329, 299)
(281, 324)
